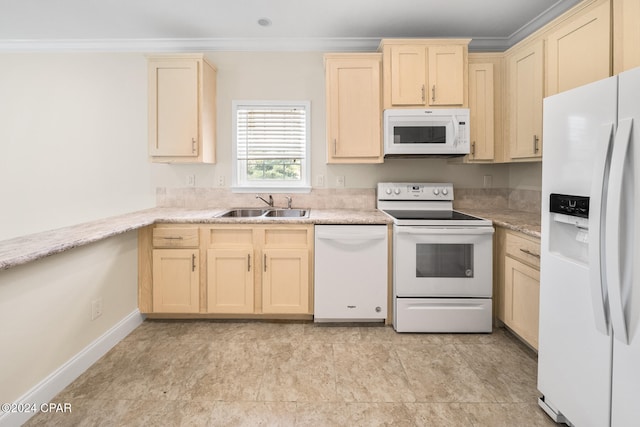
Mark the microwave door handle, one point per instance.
(455, 130)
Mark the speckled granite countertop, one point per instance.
(524, 222)
(24, 249)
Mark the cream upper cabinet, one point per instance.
(423, 73)
(354, 108)
(626, 35)
(481, 107)
(526, 79)
(182, 109)
(579, 50)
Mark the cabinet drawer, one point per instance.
(523, 248)
(175, 237)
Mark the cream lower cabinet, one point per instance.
(519, 284)
(259, 269)
(176, 281)
(230, 280)
(169, 269)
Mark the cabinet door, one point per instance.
(230, 280)
(354, 109)
(522, 299)
(408, 75)
(626, 35)
(173, 108)
(285, 281)
(176, 284)
(446, 75)
(526, 91)
(580, 51)
(481, 111)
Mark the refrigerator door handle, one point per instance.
(614, 262)
(597, 278)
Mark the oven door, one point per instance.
(443, 262)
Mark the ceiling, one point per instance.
(343, 25)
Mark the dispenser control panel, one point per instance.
(569, 205)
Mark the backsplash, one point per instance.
(344, 198)
(202, 198)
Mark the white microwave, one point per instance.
(443, 132)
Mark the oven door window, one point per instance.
(444, 260)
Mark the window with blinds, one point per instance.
(271, 146)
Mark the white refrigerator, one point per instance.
(589, 339)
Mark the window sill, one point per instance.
(275, 190)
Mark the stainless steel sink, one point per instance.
(265, 213)
(287, 213)
(244, 213)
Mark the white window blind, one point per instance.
(271, 145)
(271, 133)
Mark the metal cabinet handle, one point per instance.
(473, 149)
(433, 93)
(193, 145)
(535, 144)
(533, 254)
(173, 237)
(193, 262)
(423, 94)
(265, 262)
(249, 262)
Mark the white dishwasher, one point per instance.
(350, 273)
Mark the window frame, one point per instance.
(240, 185)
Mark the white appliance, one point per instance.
(589, 337)
(443, 132)
(442, 260)
(351, 279)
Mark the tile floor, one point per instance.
(219, 373)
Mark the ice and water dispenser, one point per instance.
(569, 226)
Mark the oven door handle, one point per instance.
(443, 231)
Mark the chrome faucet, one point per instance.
(270, 202)
(289, 199)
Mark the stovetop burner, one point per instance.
(423, 204)
(429, 215)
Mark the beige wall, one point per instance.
(45, 308)
(73, 139)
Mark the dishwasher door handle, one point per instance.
(350, 237)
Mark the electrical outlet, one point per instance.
(319, 180)
(96, 308)
(340, 181)
(191, 180)
(220, 180)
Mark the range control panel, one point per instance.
(569, 205)
(415, 191)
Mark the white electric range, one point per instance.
(442, 260)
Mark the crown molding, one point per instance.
(269, 44)
(266, 44)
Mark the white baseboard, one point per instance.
(53, 384)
